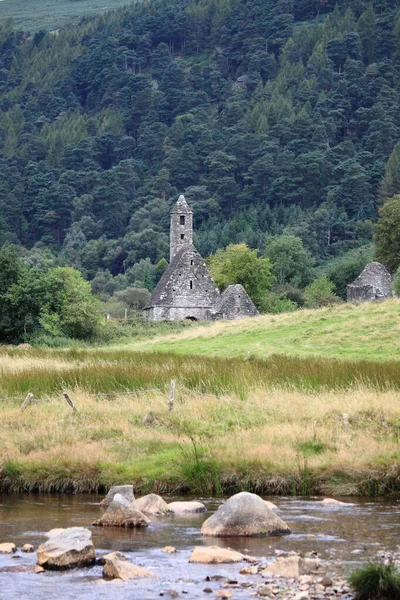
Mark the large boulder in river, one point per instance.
(271, 505)
(179, 508)
(122, 513)
(72, 547)
(244, 514)
(117, 566)
(152, 504)
(124, 490)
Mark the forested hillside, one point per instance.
(271, 116)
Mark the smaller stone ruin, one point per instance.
(374, 283)
(235, 303)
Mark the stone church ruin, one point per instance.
(374, 283)
(186, 290)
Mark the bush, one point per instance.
(345, 268)
(396, 282)
(320, 293)
(375, 582)
(136, 298)
(291, 292)
(276, 303)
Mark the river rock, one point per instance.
(19, 569)
(291, 567)
(117, 566)
(265, 590)
(7, 548)
(54, 532)
(169, 549)
(244, 514)
(214, 555)
(224, 594)
(271, 505)
(27, 548)
(125, 490)
(152, 504)
(326, 581)
(186, 507)
(122, 513)
(72, 547)
(333, 501)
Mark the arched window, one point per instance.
(182, 219)
(191, 284)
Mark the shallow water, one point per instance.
(349, 534)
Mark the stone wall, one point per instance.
(172, 313)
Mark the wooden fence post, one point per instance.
(26, 402)
(68, 399)
(171, 395)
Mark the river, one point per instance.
(348, 534)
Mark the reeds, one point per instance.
(121, 371)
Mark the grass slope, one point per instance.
(32, 15)
(370, 331)
(271, 424)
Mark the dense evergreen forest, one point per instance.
(272, 117)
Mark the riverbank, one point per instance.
(291, 426)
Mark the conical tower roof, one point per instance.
(181, 206)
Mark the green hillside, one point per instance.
(32, 15)
(368, 331)
(271, 117)
(278, 120)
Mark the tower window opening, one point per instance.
(182, 219)
(191, 284)
(182, 236)
(191, 262)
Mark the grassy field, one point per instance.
(32, 15)
(280, 425)
(370, 331)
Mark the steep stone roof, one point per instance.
(181, 206)
(235, 302)
(374, 282)
(185, 282)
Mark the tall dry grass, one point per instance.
(276, 441)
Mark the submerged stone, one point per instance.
(186, 507)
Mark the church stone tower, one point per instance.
(181, 232)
